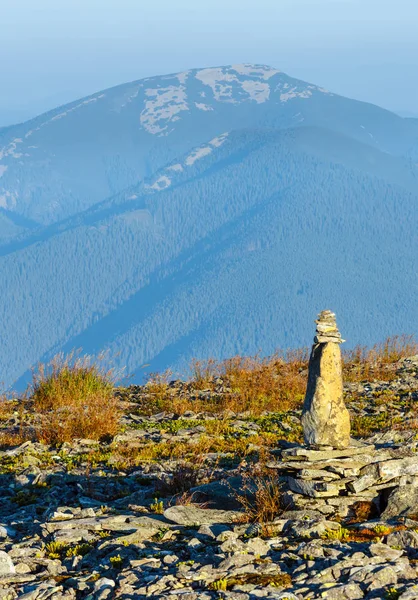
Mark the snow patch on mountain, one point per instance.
(196, 154)
(205, 150)
(10, 150)
(244, 80)
(293, 93)
(182, 77)
(164, 179)
(65, 113)
(202, 106)
(70, 110)
(218, 141)
(163, 106)
(8, 200)
(177, 167)
(220, 83)
(127, 97)
(162, 183)
(258, 91)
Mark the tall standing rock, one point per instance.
(325, 418)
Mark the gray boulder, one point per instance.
(221, 494)
(6, 565)
(349, 591)
(403, 539)
(402, 502)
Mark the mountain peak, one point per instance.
(113, 136)
(167, 98)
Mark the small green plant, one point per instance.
(160, 533)
(23, 498)
(392, 594)
(116, 561)
(79, 550)
(382, 530)
(55, 550)
(103, 534)
(336, 534)
(157, 506)
(220, 585)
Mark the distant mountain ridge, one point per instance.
(204, 214)
(76, 155)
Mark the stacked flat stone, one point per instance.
(325, 418)
(333, 482)
(326, 329)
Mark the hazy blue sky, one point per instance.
(54, 51)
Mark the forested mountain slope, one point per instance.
(75, 156)
(232, 247)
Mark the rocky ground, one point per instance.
(193, 506)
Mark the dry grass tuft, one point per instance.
(240, 384)
(189, 499)
(275, 384)
(261, 497)
(74, 398)
(363, 511)
(12, 435)
(183, 478)
(378, 362)
(11, 439)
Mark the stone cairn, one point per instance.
(332, 473)
(325, 419)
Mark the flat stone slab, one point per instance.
(300, 453)
(192, 516)
(343, 467)
(316, 489)
(368, 477)
(384, 472)
(317, 474)
(396, 468)
(346, 501)
(295, 465)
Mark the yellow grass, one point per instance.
(275, 384)
(378, 362)
(74, 398)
